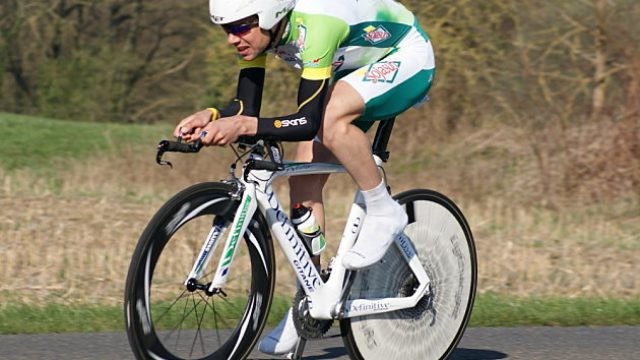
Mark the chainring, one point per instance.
(308, 327)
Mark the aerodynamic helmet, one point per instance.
(269, 12)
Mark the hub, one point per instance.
(193, 285)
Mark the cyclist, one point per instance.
(361, 61)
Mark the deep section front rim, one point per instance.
(165, 318)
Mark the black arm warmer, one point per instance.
(304, 124)
(249, 95)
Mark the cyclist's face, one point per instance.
(247, 37)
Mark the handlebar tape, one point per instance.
(266, 165)
(174, 146)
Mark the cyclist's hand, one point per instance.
(227, 130)
(189, 128)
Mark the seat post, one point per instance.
(381, 140)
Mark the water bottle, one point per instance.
(308, 229)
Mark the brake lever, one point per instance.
(163, 146)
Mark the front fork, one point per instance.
(241, 220)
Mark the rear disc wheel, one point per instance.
(432, 329)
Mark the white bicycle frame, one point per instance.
(324, 298)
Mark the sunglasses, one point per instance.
(241, 27)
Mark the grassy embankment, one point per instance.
(74, 197)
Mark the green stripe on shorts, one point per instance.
(397, 100)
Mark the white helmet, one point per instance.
(269, 12)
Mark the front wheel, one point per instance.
(432, 329)
(167, 319)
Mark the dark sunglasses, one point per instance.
(241, 27)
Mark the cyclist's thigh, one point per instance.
(397, 82)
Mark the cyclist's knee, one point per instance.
(344, 106)
(334, 131)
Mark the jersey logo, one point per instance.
(337, 64)
(288, 54)
(302, 37)
(313, 63)
(286, 123)
(376, 35)
(382, 72)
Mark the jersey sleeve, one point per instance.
(318, 38)
(248, 98)
(305, 123)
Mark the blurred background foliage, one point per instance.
(149, 61)
(559, 78)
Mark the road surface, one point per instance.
(598, 343)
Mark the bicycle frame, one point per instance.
(325, 299)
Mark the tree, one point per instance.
(108, 60)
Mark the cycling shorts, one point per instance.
(395, 83)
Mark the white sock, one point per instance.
(378, 201)
(385, 220)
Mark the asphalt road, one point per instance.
(478, 344)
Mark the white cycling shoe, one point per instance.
(283, 339)
(377, 235)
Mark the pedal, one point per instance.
(297, 353)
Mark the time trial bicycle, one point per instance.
(202, 277)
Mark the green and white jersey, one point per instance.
(324, 36)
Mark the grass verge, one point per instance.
(493, 310)
(490, 310)
(33, 142)
(56, 318)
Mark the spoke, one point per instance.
(184, 316)
(235, 289)
(237, 309)
(207, 274)
(204, 311)
(215, 321)
(215, 312)
(180, 326)
(198, 333)
(215, 317)
(171, 306)
(232, 305)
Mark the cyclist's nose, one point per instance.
(233, 39)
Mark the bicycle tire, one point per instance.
(433, 328)
(163, 318)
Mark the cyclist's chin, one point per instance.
(247, 55)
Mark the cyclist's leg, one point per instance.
(385, 218)
(377, 91)
(306, 190)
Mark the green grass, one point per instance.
(56, 318)
(37, 143)
(23, 319)
(490, 310)
(493, 310)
